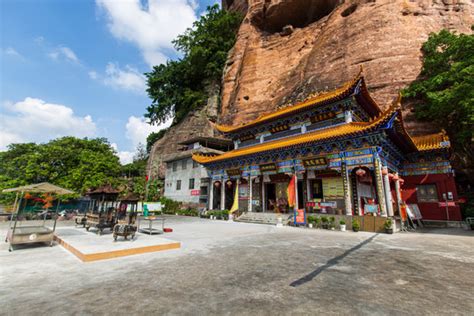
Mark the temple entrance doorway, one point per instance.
(300, 194)
(229, 194)
(365, 192)
(216, 195)
(271, 196)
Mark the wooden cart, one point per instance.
(25, 232)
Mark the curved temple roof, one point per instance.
(319, 99)
(431, 141)
(349, 129)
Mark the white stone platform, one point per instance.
(88, 246)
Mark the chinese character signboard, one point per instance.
(268, 167)
(319, 161)
(300, 217)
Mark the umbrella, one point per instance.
(43, 187)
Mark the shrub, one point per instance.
(342, 222)
(311, 219)
(170, 206)
(317, 221)
(388, 223)
(355, 225)
(188, 212)
(324, 219)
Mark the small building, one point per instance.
(349, 157)
(186, 180)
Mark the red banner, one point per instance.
(291, 192)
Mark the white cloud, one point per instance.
(35, 120)
(10, 51)
(65, 53)
(151, 27)
(124, 156)
(127, 78)
(93, 75)
(137, 130)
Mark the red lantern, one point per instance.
(360, 172)
(396, 177)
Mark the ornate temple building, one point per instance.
(349, 157)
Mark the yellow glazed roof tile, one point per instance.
(312, 101)
(432, 141)
(324, 134)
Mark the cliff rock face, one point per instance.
(195, 124)
(287, 49)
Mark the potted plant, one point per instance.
(332, 222)
(342, 225)
(355, 225)
(324, 222)
(388, 226)
(310, 221)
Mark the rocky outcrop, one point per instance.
(287, 49)
(195, 124)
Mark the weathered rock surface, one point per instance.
(287, 49)
(195, 124)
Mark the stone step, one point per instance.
(263, 218)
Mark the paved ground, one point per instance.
(237, 268)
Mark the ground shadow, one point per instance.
(330, 263)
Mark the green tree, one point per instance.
(179, 87)
(76, 164)
(153, 138)
(444, 92)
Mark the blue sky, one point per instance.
(75, 67)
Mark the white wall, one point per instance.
(171, 178)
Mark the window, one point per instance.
(191, 184)
(427, 193)
(184, 163)
(178, 185)
(195, 164)
(175, 165)
(316, 189)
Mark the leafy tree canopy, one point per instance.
(72, 163)
(178, 87)
(444, 92)
(153, 137)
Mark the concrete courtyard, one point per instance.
(237, 268)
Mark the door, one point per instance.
(271, 196)
(300, 194)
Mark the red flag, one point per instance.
(291, 192)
